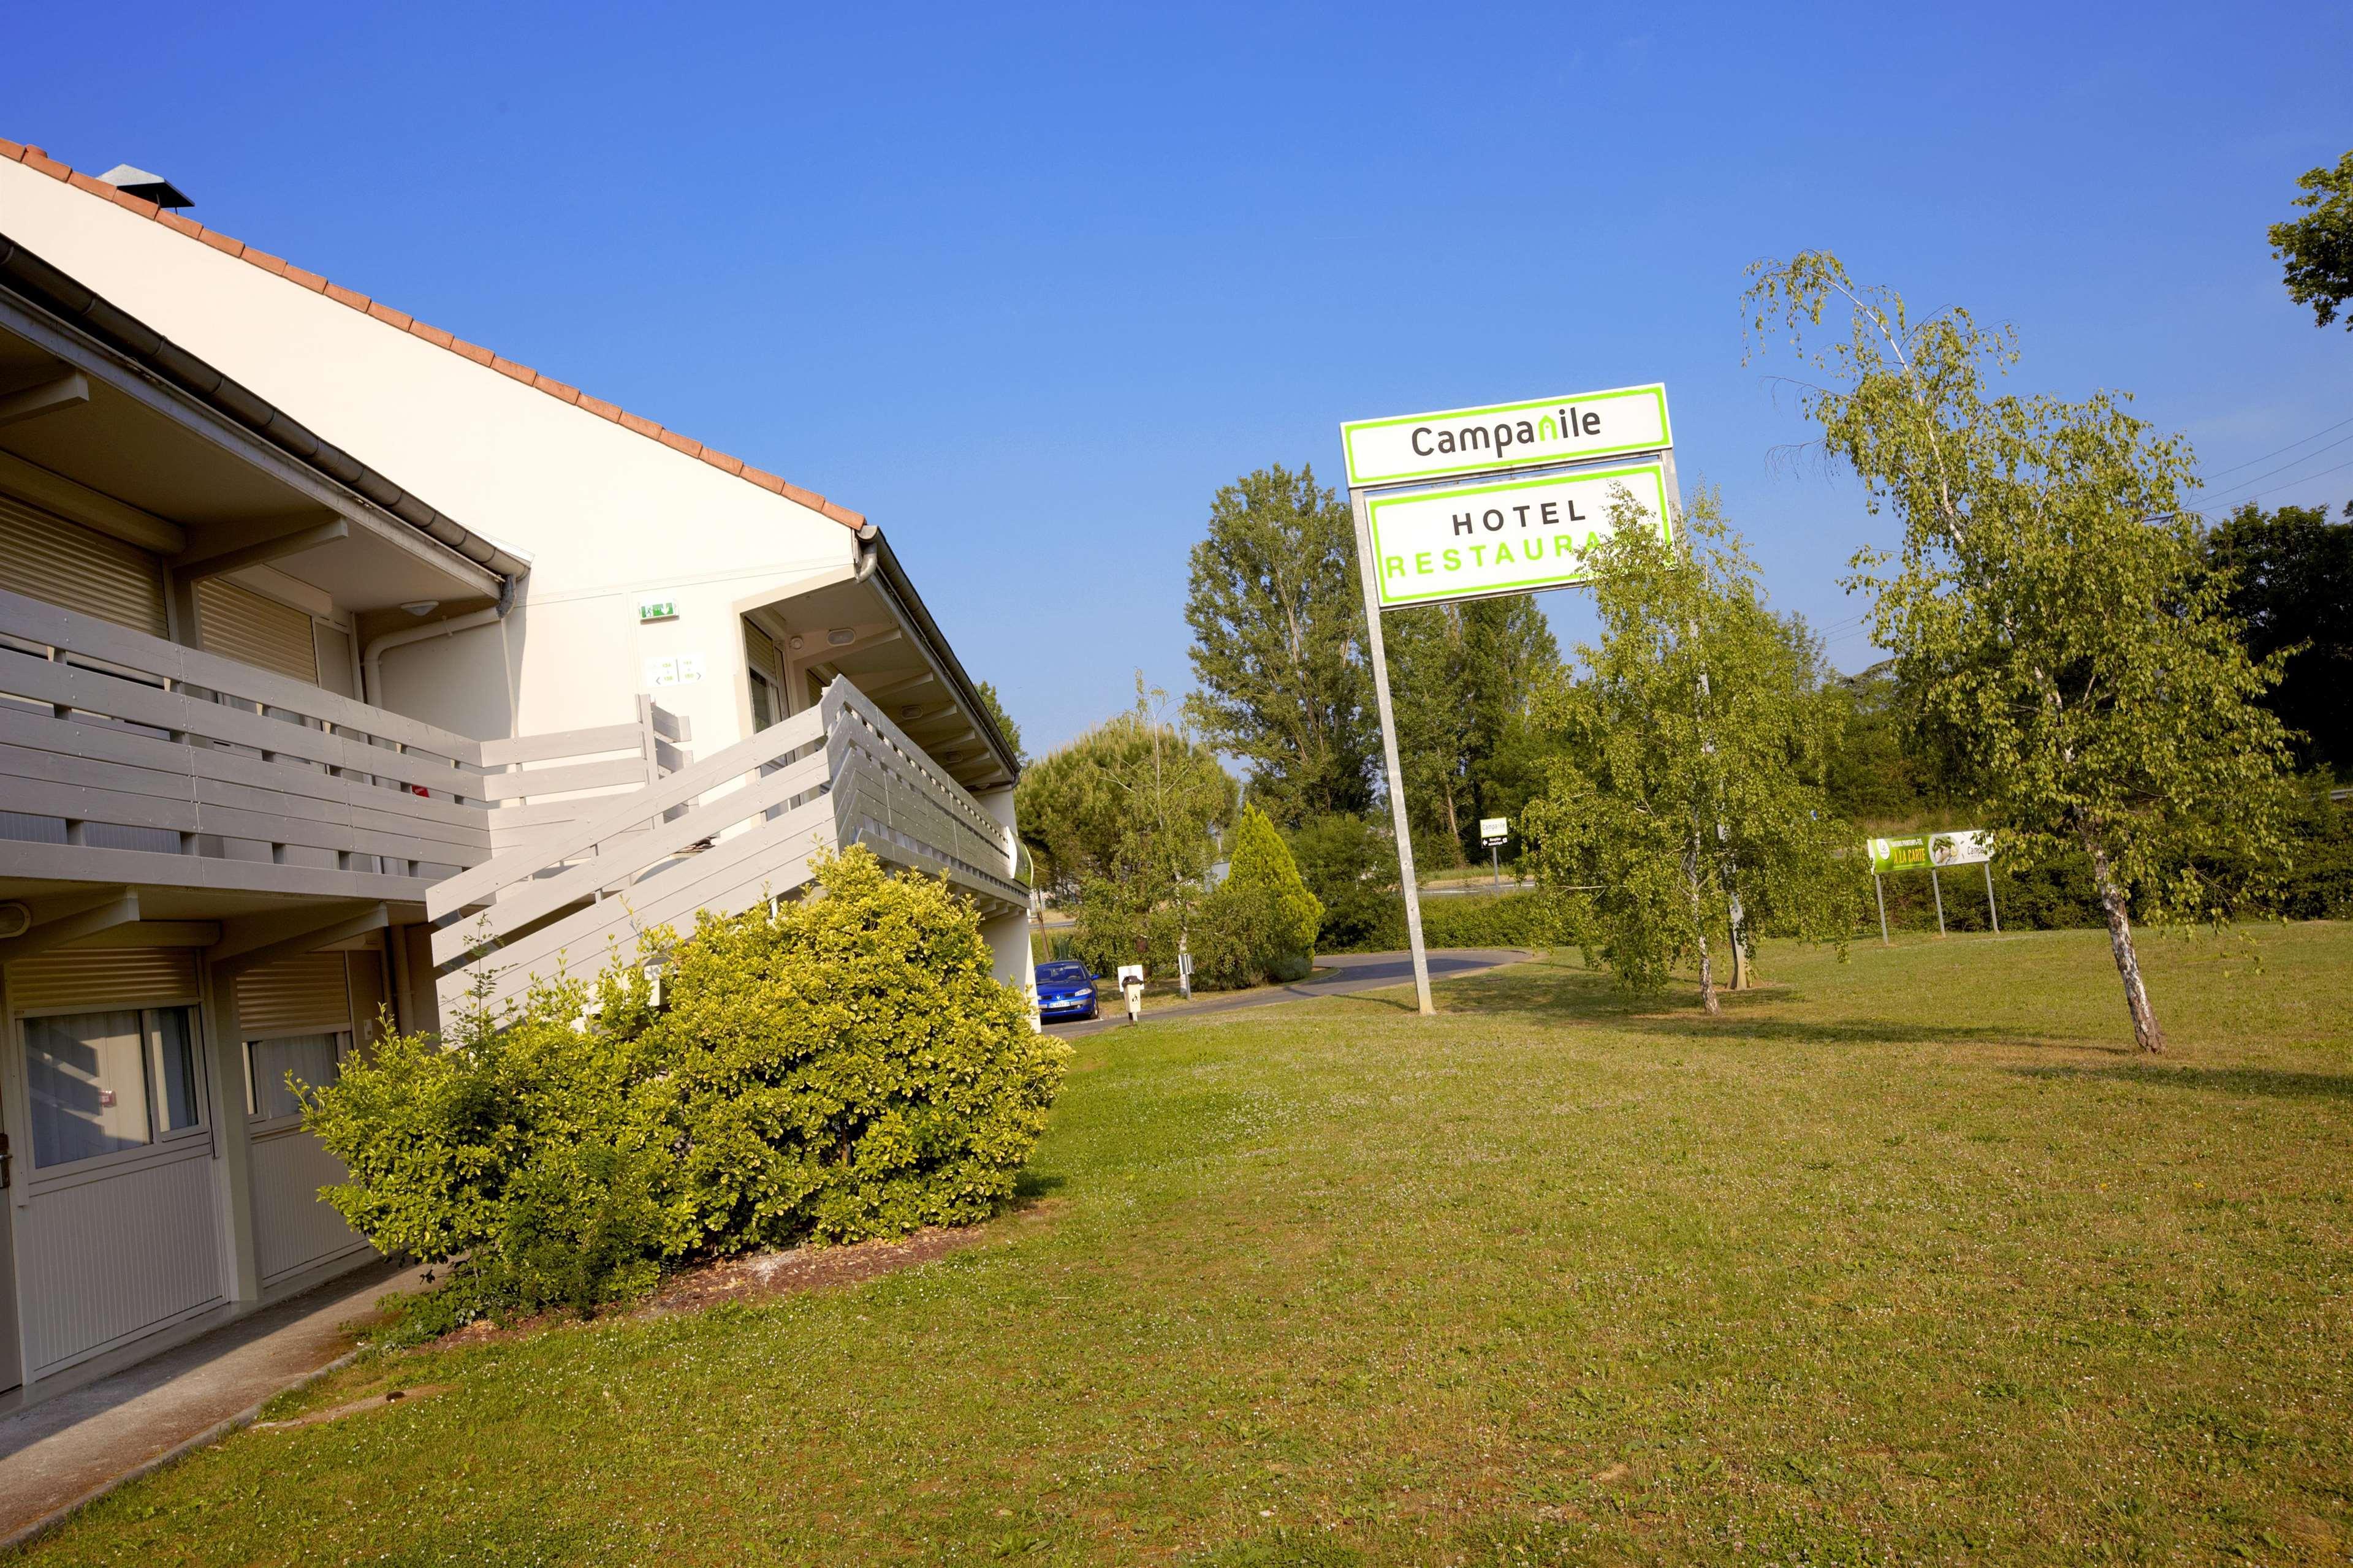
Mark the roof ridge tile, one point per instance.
(276, 267)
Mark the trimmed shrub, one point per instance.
(847, 1067)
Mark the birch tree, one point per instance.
(2049, 615)
(1693, 749)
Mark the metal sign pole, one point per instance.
(1990, 911)
(1365, 567)
(1938, 888)
(1879, 891)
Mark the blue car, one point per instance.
(1065, 990)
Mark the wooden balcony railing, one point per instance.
(125, 758)
(723, 833)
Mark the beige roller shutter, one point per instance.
(43, 556)
(305, 992)
(762, 648)
(103, 978)
(241, 624)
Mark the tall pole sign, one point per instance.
(1467, 503)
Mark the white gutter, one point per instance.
(371, 657)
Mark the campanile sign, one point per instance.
(1582, 429)
(1467, 503)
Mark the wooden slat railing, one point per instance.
(545, 784)
(723, 833)
(126, 758)
(239, 778)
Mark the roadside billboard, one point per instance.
(1923, 851)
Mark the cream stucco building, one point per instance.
(331, 646)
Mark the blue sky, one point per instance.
(1027, 284)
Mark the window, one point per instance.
(764, 701)
(99, 1083)
(311, 1060)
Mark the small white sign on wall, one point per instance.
(677, 669)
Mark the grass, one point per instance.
(1906, 1259)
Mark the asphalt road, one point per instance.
(1358, 972)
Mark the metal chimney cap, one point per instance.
(148, 187)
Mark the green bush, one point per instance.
(847, 1067)
(1260, 922)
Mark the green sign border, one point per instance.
(1373, 529)
(1656, 389)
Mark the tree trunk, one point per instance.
(1707, 979)
(2146, 1036)
(1699, 933)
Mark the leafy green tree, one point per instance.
(2291, 588)
(2051, 614)
(1131, 800)
(1004, 721)
(1689, 783)
(1277, 615)
(1460, 678)
(1351, 867)
(2318, 248)
(1120, 819)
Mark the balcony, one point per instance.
(724, 834)
(130, 761)
(209, 784)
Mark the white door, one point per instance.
(293, 1231)
(120, 1237)
(296, 1015)
(12, 1366)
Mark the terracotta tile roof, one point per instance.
(35, 158)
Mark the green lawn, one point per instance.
(1907, 1261)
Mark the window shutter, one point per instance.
(43, 556)
(305, 992)
(103, 978)
(762, 649)
(240, 624)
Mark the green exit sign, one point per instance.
(657, 610)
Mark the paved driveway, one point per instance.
(1357, 971)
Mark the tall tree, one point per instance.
(1277, 630)
(2049, 607)
(2292, 590)
(1690, 779)
(1460, 678)
(2316, 250)
(1005, 724)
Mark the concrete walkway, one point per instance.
(1357, 971)
(60, 1453)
